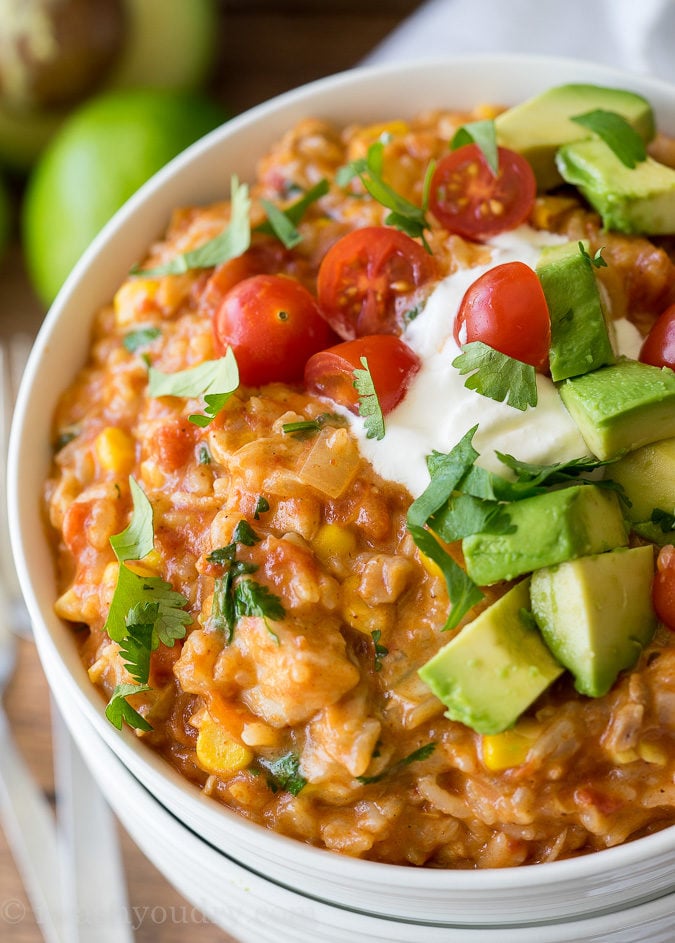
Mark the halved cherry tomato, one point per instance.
(658, 348)
(370, 278)
(392, 365)
(506, 309)
(467, 198)
(273, 326)
(663, 589)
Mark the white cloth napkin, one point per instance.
(636, 35)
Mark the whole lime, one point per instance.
(98, 158)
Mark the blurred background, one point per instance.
(95, 95)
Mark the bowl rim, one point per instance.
(155, 192)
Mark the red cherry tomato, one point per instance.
(273, 326)
(467, 198)
(392, 365)
(658, 348)
(663, 589)
(506, 309)
(369, 279)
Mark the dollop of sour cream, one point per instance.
(438, 409)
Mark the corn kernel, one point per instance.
(115, 450)
(333, 541)
(487, 112)
(217, 752)
(131, 298)
(357, 613)
(506, 749)
(652, 753)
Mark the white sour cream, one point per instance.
(438, 410)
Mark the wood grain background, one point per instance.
(267, 47)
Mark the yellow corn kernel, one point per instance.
(334, 541)
(549, 208)
(361, 616)
(487, 112)
(651, 752)
(506, 749)
(217, 752)
(130, 298)
(115, 450)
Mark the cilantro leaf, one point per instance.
(222, 617)
(284, 773)
(463, 592)
(663, 519)
(254, 599)
(404, 215)
(484, 135)
(464, 514)
(230, 243)
(594, 261)
(422, 753)
(216, 380)
(134, 340)
(137, 539)
(140, 640)
(282, 223)
(134, 590)
(244, 534)
(617, 134)
(497, 376)
(119, 710)
(536, 476)
(448, 471)
(380, 650)
(369, 403)
(306, 427)
(262, 505)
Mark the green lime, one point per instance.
(98, 158)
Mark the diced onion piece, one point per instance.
(332, 462)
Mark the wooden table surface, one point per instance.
(268, 46)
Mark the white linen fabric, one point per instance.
(636, 35)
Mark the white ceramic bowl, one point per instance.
(616, 878)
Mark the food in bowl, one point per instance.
(340, 497)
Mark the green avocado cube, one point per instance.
(536, 128)
(545, 530)
(638, 199)
(495, 667)
(596, 614)
(647, 476)
(579, 337)
(621, 407)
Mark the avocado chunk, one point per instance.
(539, 126)
(596, 614)
(621, 407)
(579, 337)
(647, 475)
(494, 668)
(547, 529)
(638, 199)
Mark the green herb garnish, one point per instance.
(369, 403)
(134, 340)
(497, 376)
(230, 243)
(617, 134)
(262, 505)
(215, 380)
(423, 753)
(119, 710)
(484, 135)
(284, 773)
(595, 261)
(663, 519)
(380, 650)
(307, 427)
(283, 223)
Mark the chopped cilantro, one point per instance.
(422, 753)
(595, 261)
(369, 404)
(284, 773)
(497, 376)
(119, 710)
(404, 215)
(484, 135)
(134, 340)
(463, 592)
(282, 223)
(261, 507)
(255, 599)
(446, 471)
(64, 438)
(380, 650)
(306, 427)
(230, 243)
(617, 134)
(204, 456)
(663, 519)
(140, 640)
(215, 380)
(137, 539)
(244, 534)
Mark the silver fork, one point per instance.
(73, 869)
